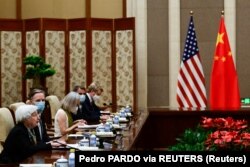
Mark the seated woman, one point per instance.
(81, 91)
(63, 119)
(21, 141)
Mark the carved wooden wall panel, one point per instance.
(101, 63)
(32, 48)
(11, 62)
(125, 62)
(124, 67)
(55, 56)
(80, 50)
(77, 54)
(11, 50)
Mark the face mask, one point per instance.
(82, 98)
(75, 110)
(40, 106)
(96, 97)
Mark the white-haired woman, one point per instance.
(64, 123)
(21, 141)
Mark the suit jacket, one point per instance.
(19, 146)
(91, 113)
(44, 137)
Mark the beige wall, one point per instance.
(61, 8)
(158, 59)
(8, 9)
(106, 8)
(138, 9)
(206, 21)
(53, 9)
(243, 45)
(206, 18)
(71, 8)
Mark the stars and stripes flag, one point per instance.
(191, 92)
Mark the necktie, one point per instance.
(40, 127)
(91, 101)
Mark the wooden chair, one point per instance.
(13, 108)
(53, 105)
(1, 147)
(6, 123)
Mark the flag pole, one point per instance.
(191, 92)
(222, 13)
(223, 70)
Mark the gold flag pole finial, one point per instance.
(222, 13)
(191, 13)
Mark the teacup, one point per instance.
(116, 119)
(107, 127)
(100, 128)
(84, 142)
(62, 162)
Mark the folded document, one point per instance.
(88, 126)
(82, 148)
(35, 165)
(105, 134)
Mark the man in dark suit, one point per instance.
(37, 98)
(91, 112)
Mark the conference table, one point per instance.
(123, 141)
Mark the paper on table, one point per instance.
(88, 148)
(82, 148)
(105, 112)
(35, 165)
(88, 126)
(75, 135)
(116, 126)
(76, 146)
(105, 134)
(129, 114)
(123, 120)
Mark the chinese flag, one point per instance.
(224, 89)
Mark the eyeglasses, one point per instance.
(38, 100)
(35, 114)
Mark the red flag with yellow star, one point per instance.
(224, 89)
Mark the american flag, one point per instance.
(191, 92)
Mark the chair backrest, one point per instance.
(6, 123)
(54, 104)
(14, 106)
(1, 147)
